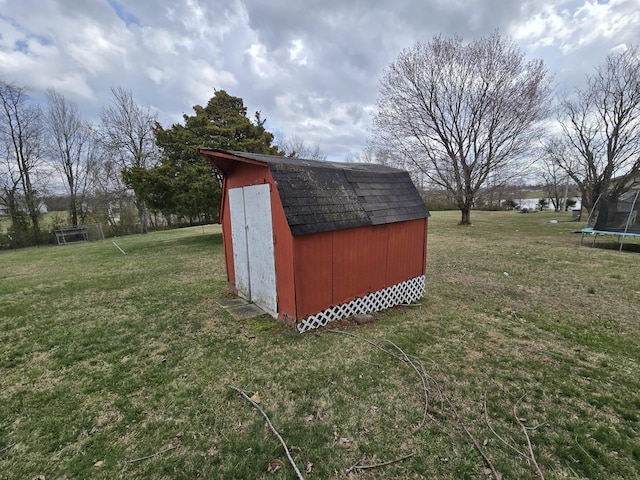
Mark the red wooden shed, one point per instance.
(312, 241)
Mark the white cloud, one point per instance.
(296, 52)
(311, 67)
(163, 41)
(590, 23)
(261, 64)
(96, 49)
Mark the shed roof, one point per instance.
(320, 196)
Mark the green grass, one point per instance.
(108, 358)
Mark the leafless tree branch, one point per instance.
(273, 429)
(460, 113)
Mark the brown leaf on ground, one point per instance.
(309, 467)
(212, 452)
(256, 398)
(274, 465)
(344, 442)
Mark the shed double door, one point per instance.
(252, 241)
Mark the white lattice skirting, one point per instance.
(405, 292)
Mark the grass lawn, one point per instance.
(119, 366)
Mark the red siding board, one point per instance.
(405, 253)
(359, 262)
(313, 273)
(283, 251)
(243, 175)
(226, 239)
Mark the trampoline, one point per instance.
(614, 215)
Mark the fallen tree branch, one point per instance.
(275, 432)
(524, 430)
(544, 424)
(421, 372)
(403, 357)
(350, 469)
(357, 467)
(424, 377)
(171, 447)
(8, 447)
(486, 417)
(475, 443)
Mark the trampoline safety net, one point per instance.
(616, 214)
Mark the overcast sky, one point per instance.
(311, 67)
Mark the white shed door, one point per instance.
(252, 241)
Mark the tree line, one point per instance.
(127, 171)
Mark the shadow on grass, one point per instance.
(626, 248)
(203, 240)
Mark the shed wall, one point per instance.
(332, 268)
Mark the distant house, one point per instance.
(312, 241)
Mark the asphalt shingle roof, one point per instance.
(320, 196)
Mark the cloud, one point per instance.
(583, 26)
(312, 68)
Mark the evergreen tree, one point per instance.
(185, 184)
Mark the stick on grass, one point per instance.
(403, 357)
(524, 430)
(275, 432)
(170, 447)
(378, 465)
(417, 365)
(118, 247)
(8, 447)
(486, 417)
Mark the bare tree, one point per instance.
(9, 184)
(462, 112)
(555, 179)
(20, 135)
(600, 143)
(128, 135)
(110, 199)
(294, 146)
(72, 147)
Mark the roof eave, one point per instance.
(224, 161)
